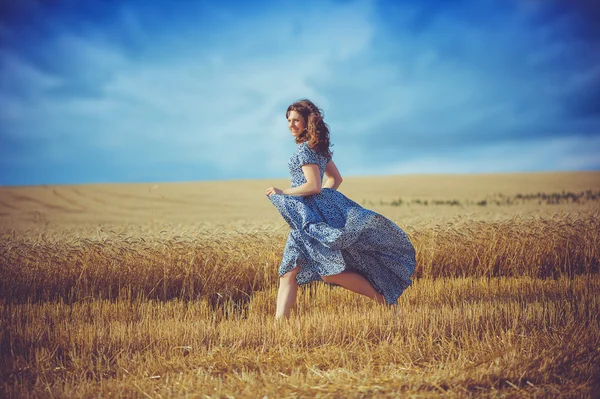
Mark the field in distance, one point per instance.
(412, 200)
(168, 290)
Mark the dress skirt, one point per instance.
(331, 233)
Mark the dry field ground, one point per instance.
(167, 290)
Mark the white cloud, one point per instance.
(21, 83)
(210, 107)
(562, 153)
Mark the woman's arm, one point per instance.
(334, 178)
(312, 185)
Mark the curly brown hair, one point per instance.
(317, 131)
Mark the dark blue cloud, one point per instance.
(539, 67)
(138, 30)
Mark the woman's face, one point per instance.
(296, 123)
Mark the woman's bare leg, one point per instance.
(286, 296)
(356, 283)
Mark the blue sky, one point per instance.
(144, 91)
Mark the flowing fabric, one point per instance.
(331, 233)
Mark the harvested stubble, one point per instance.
(498, 308)
(505, 335)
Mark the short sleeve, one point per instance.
(307, 155)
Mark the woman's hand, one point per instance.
(273, 190)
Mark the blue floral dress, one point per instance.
(331, 233)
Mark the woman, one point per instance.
(333, 239)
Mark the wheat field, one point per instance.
(168, 290)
